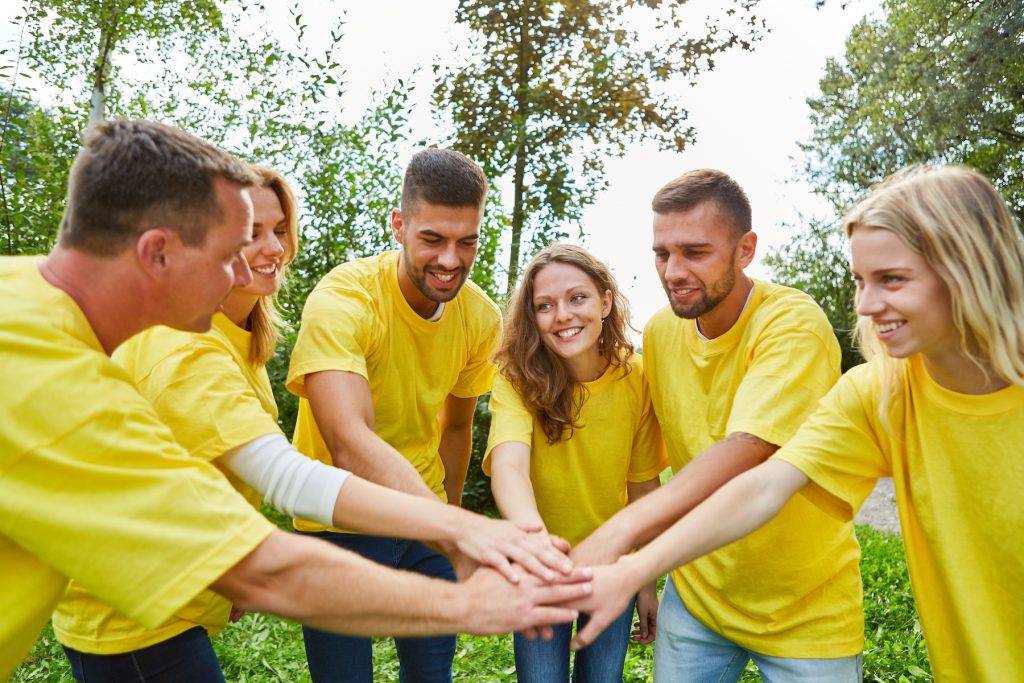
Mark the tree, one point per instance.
(928, 81)
(550, 88)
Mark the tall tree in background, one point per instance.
(549, 89)
(927, 81)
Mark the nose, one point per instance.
(869, 302)
(676, 269)
(448, 257)
(562, 311)
(240, 268)
(273, 246)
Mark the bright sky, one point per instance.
(749, 115)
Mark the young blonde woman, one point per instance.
(212, 389)
(573, 435)
(939, 265)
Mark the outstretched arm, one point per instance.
(298, 578)
(743, 505)
(638, 523)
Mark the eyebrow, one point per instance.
(684, 245)
(427, 232)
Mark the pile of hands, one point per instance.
(524, 579)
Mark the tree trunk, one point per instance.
(101, 71)
(519, 175)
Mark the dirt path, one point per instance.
(879, 510)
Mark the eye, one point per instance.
(576, 298)
(540, 308)
(891, 279)
(660, 255)
(469, 242)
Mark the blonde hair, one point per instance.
(538, 375)
(963, 229)
(265, 321)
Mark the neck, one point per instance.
(239, 306)
(108, 290)
(722, 317)
(957, 372)
(589, 368)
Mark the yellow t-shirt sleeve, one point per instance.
(510, 419)
(337, 333)
(838, 447)
(114, 503)
(790, 369)
(205, 377)
(648, 457)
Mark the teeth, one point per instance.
(889, 327)
(572, 332)
(267, 270)
(445, 277)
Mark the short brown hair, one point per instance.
(444, 177)
(131, 175)
(706, 185)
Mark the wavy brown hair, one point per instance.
(265, 322)
(538, 375)
(957, 221)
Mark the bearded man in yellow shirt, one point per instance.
(735, 365)
(93, 486)
(390, 358)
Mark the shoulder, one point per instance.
(368, 274)
(478, 303)
(785, 310)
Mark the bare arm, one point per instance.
(646, 627)
(343, 409)
(299, 578)
(511, 485)
(743, 505)
(642, 521)
(456, 421)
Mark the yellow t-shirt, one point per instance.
(213, 399)
(357, 320)
(92, 484)
(792, 588)
(958, 471)
(580, 483)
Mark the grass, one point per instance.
(265, 649)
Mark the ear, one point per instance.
(746, 248)
(606, 303)
(153, 249)
(397, 225)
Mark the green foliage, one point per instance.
(928, 81)
(815, 262)
(549, 89)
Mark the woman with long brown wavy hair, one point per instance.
(573, 434)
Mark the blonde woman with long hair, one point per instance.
(939, 406)
(573, 435)
(213, 391)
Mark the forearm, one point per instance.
(740, 507)
(454, 449)
(359, 450)
(373, 509)
(646, 518)
(298, 578)
(513, 494)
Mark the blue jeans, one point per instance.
(187, 656)
(547, 661)
(346, 659)
(686, 650)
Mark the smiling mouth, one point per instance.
(568, 333)
(890, 326)
(443, 277)
(264, 270)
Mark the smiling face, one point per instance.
(905, 298)
(439, 245)
(265, 254)
(568, 310)
(699, 259)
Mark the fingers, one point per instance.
(587, 635)
(564, 592)
(504, 567)
(559, 543)
(546, 632)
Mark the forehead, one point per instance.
(556, 278)
(234, 225)
(874, 249)
(452, 222)
(701, 224)
(265, 205)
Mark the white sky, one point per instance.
(749, 114)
